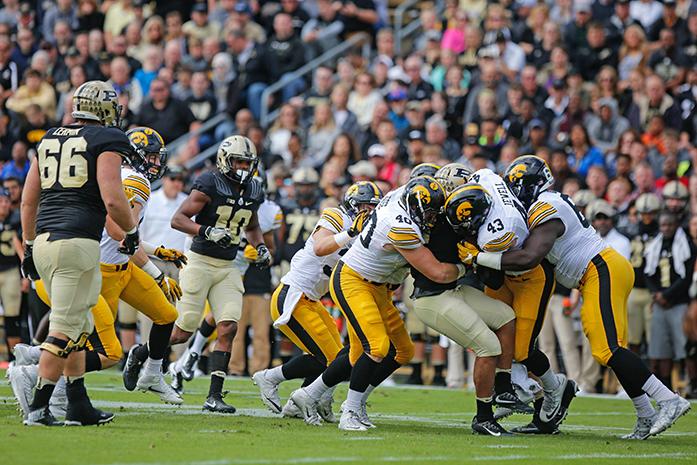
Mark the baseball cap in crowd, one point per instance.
(536, 123)
(396, 73)
(397, 95)
(415, 135)
(669, 3)
(175, 172)
(138, 3)
(200, 7)
(600, 207)
(583, 198)
(72, 52)
(363, 168)
(559, 84)
(243, 7)
(582, 6)
(376, 150)
(413, 105)
(433, 35)
(104, 57)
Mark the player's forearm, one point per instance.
(254, 236)
(30, 202)
(519, 260)
(28, 222)
(183, 223)
(140, 258)
(326, 245)
(446, 273)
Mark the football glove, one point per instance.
(169, 287)
(130, 243)
(28, 267)
(358, 223)
(467, 252)
(263, 256)
(250, 254)
(220, 236)
(171, 255)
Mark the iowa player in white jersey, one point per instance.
(224, 202)
(71, 186)
(582, 260)
(296, 308)
(488, 214)
(363, 281)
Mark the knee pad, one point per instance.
(13, 326)
(62, 348)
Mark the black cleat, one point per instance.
(178, 383)
(41, 417)
(84, 414)
(415, 380)
(536, 427)
(510, 401)
(488, 428)
(215, 403)
(131, 369)
(438, 381)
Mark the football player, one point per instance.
(488, 213)
(362, 284)
(300, 214)
(469, 317)
(10, 277)
(72, 184)
(605, 278)
(295, 305)
(224, 202)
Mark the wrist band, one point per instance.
(150, 268)
(489, 260)
(342, 238)
(461, 270)
(29, 243)
(133, 231)
(202, 231)
(149, 249)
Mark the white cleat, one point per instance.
(290, 410)
(362, 415)
(307, 406)
(324, 407)
(156, 383)
(58, 405)
(25, 354)
(668, 413)
(268, 391)
(552, 400)
(350, 422)
(642, 429)
(23, 380)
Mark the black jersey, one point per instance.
(71, 204)
(8, 253)
(299, 224)
(443, 244)
(644, 236)
(229, 208)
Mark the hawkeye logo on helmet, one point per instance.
(422, 194)
(139, 137)
(463, 211)
(517, 172)
(352, 190)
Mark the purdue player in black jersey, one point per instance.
(224, 202)
(73, 183)
(10, 283)
(470, 318)
(647, 207)
(300, 214)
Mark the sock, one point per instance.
(339, 370)
(631, 372)
(643, 406)
(537, 362)
(416, 369)
(385, 368)
(438, 371)
(159, 340)
(142, 352)
(316, 388)
(502, 381)
(353, 400)
(199, 341)
(275, 375)
(219, 361)
(303, 366)
(367, 392)
(549, 380)
(42, 393)
(309, 380)
(361, 375)
(92, 361)
(75, 389)
(657, 390)
(484, 409)
(153, 367)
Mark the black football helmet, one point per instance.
(527, 177)
(467, 208)
(149, 155)
(423, 198)
(361, 193)
(424, 169)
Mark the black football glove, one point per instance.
(130, 243)
(28, 267)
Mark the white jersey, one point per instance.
(137, 188)
(373, 255)
(573, 250)
(270, 218)
(505, 226)
(310, 273)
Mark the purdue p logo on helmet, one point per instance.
(97, 101)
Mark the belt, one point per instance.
(114, 268)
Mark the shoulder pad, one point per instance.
(107, 139)
(255, 191)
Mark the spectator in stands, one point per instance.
(363, 98)
(63, 10)
(320, 135)
(201, 102)
(122, 82)
(575, 31)
(9, 70)
(669, 20)
(668, 62)
(278, 136)
(437, 134)
(194, 59)
(582, 155)
(595, 53)
(119, 48)
(35, 125)
(152, 62)
(357, 16)
(167, 115)
(89, 17)
(198, 26)
(322, 33)
(605, 127)
(242, 18)
(19, 166)
(344, 118)
(156, 228)
(34, 90)
(25, 47)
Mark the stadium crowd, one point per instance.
(604, 90)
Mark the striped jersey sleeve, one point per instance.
(501, 244)
(331, 219)
(540, 212)
(137, 189)
(404, 238)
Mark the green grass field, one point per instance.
(414, 426)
